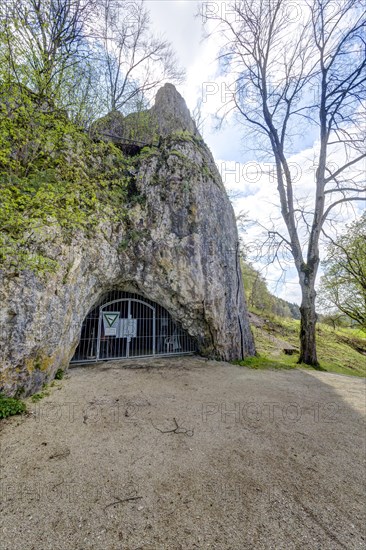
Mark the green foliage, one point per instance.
(185, 136)
(59, 374)
(261, 362)
(255, 287)
(40, 395)
(53, 179)
(138, 127)
(343, 285)
(37, 397)
(335, 320)
(179, 154)
(141, 126)
(260, 300)
(131, 238)
(10, 406)
(147, 152)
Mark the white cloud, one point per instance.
(176, 21)
(255, 181)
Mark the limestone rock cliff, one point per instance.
(178, 246)
(169, 114)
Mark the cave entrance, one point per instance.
(124, 325)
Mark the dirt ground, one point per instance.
(186, 454)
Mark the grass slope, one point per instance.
(341, 351)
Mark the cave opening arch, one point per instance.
(124, 325)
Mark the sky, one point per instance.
(250, 181)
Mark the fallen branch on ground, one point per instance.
(177, 430)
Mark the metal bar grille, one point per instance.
(125, 325)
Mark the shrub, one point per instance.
(59, 374)
(10, 406)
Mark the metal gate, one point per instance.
(127, 325)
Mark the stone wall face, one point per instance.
(178, 247)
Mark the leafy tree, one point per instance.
(256, 290)
(286, 79)
(295, 310)
(343, 285)
(335, 320)
(281, 308)
(259, 297)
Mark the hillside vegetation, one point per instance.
(341, 349)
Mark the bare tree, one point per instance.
(135, 61)
(45, 39)
(293, 72)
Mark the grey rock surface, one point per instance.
(168, 114)
(178, 246)
(171, 112)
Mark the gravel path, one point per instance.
(186, 454)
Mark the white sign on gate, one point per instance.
(127, 328)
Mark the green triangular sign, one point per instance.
(111, 318)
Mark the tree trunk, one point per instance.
(308, 323)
